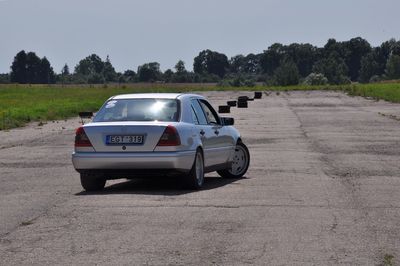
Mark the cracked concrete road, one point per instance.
(323, 188)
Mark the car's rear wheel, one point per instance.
(92, 182)
(240, 164)
(195, 179)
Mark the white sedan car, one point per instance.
(161, 134)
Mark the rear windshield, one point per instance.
(139, 110)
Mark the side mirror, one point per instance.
(227, 121)
(85, 114)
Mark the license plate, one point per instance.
(125, 139)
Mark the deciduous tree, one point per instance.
(109, 73)
(210, 62)
(29, 68)
(89, 66)
(19, 68)
(286, 74)
(393, 67)
(271, 58)
(46, 74)
(149, 72)
(334, 68)
(369, 67)
(180, 67)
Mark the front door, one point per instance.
(219, 146)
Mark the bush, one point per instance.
(315, 79)
(249, 83)
(206, 78)
(239, 81)
(344, 80)
(96, 79)
(4, 78)
(224, 83)
(375, 78)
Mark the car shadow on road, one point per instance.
(158, 186)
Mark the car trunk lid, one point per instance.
(126, 136)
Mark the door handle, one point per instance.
(202, 132)
(216, 132)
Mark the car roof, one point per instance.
(154, 96)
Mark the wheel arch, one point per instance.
(200, 147)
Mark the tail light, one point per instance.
(170, 137)
(81, 139)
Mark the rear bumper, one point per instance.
(180, 161)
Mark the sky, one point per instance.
(135, 32)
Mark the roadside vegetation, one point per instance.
(352, 66)
(337, 62)
(21, 104)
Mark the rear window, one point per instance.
(139, 110)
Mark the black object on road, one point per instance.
(85, 114)
(223, 109)
(257, 95)
(242, 104)
(231, 103)
(243, 98)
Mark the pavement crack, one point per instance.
(30, 221)
(334, 224)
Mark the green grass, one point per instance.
(388, 260)
(20, 104)
(383, 91)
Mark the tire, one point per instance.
(195, 179)
(243, 98)
(240, 164)
(242, 104)
(92, 182)
(257, 95)
(224, 109)
(231, 103)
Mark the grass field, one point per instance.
(20, 104)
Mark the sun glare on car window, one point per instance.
(157, 107)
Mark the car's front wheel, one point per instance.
(92, 182)
(240, 164)
(195, 179)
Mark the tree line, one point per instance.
(335, 63)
